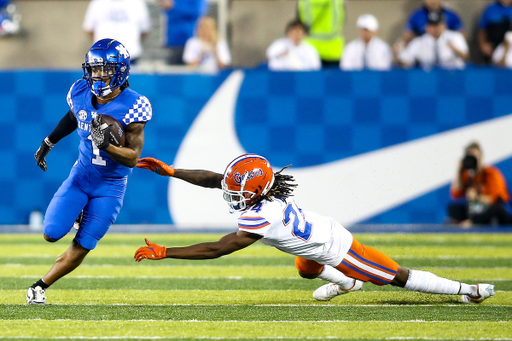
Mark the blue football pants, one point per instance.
(100, 198)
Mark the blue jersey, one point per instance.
(496, 20)
(128, 107)
(419, 18)
(494, 14)
(182, 19)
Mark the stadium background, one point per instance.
(305, 119)
(341, 114)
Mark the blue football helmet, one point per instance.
(106, 67)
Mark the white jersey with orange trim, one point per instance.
(283, 225)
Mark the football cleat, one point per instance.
(484, 292)
(36, 296)
(328, 291)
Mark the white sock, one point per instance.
(335, 276)
(424, 281)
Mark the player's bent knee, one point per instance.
(308, 276)
(49, 239)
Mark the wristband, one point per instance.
(48, 143)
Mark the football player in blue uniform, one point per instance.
(97, 182)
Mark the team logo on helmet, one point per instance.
(122, 51)
(247, 175)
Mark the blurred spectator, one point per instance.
(9, 18)
(417, 21)
(126, 21)
(438, 47)
(494, 23)
(501, 55)
(325, 20)
(206, 51)
(368, 51)
(480, 192)
(181, 18)
(293, 53)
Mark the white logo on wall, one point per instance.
(368, 184)
(82, 115)
(122, 51)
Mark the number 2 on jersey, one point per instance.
(301, 227)
(97, 160)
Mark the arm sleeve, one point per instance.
(460, 43)
(253, 224)
(274, 50)
(385, 59)
(497, 187)
(460, 193)
(411, 24)
(453, 21)
(348, 60)
(483, 22)
(191, 51)
(408, 56)
(66, 126)
(498, 54)
(456, 194)
(223, 52)
(316, 63)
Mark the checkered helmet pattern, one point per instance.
(140, 111)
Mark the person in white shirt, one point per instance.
(438, 47)
(323, 247)
(293, 53)
(126, 21)
(501, 55)
(206, 51)
(368, 51)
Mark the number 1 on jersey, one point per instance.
(301, 227)
(97, 160)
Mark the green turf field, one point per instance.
(252, 294)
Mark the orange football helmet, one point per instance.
(246, 178)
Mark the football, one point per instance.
(117, 137)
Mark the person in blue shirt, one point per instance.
(495, 21)
(180, 22)
(417, 21)
(97, 182)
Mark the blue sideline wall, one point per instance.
(304, 119)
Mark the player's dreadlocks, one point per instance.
(282, 187)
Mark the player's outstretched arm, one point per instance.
(130, 153)
(201, 178)
(229, 243)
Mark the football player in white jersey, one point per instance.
(324, 248)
